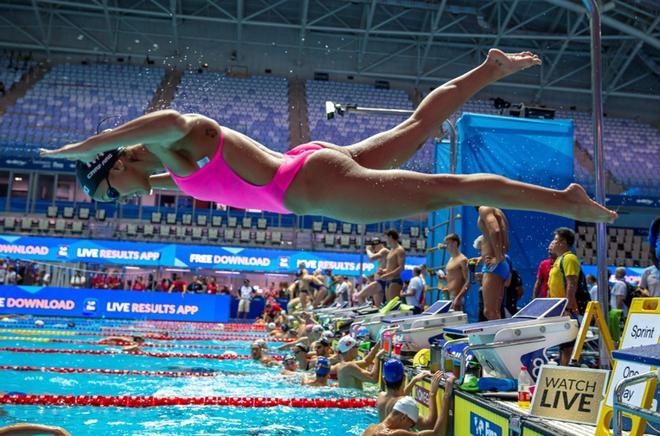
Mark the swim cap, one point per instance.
(230, 353)
(39, 323)
(328, 334)
(91, 174)
(346, 344)
(322, 366)
(317, 329)
(71, 324)
(408, 407)
(393, 371)
(288, 358)
(362, 332)
(302, 346)
(271, 326)
(285, 328)
(261, 343)
(324, 341)
(309, 327)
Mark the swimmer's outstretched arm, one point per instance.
(157, 128)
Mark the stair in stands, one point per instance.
(20, 88)
(298, 125)
(166, 90)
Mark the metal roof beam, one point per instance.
(616, 24)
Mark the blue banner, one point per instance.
(184, 256)
(37, 164)
(99, 303)
(528, 150)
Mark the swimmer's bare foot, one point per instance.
(585, 209)
(506, 64)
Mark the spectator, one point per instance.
(43, 278)
(225, 290)
(165, 285)
(211, 286)
(113, 281)
(563, 281)
(650, 282)
(543, 274)
(78, 280)
(151, 283)
(246, 294)
(271, 293)
(138, 284)
(178, 285)
(592, 284)
(21, 271)
(28, 274)
(283, 290)
(12, 277)
(99, 279)
(3, 271)
(195, 286)
(619, 291)
(415, 291)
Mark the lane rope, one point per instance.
(109, 371)
(150, 401)
(132, 353)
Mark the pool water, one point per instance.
(236, 378)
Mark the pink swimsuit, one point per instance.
(216, 181)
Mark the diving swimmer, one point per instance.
(194, 154)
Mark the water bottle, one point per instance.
(524, 388)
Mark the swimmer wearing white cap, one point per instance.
(257, 352)
(350, 372)
(405, 415)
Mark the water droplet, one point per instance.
(81, 37)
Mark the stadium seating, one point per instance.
(68, 104)
(256, 106)
(625, 247)
(11, 71)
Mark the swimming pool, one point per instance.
(233, 378)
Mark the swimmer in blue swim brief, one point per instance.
(493, 245)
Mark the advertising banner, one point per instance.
(99, 303)
(184, 256)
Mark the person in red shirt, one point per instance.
(179, 285)
(272, 310)
(165, 285)
(211, 286)
(138, 284)
(543, 274)
(113, 281)
(99, 281)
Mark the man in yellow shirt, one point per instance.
(563, 284)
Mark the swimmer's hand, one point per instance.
(74, 151)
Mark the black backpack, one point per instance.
(631, 292)
(582, 292)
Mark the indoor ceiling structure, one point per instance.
(414, 41)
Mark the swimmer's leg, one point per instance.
(396, 146)
(361, 195)
(393, 290)
(493, 292)
(373, 290)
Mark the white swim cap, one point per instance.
(220, 326)
(317, 329)
(408, 407)
(271, 326)
(346, 344)
(230, 353)
(39, 323)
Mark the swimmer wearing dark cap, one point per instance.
(321, 373)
